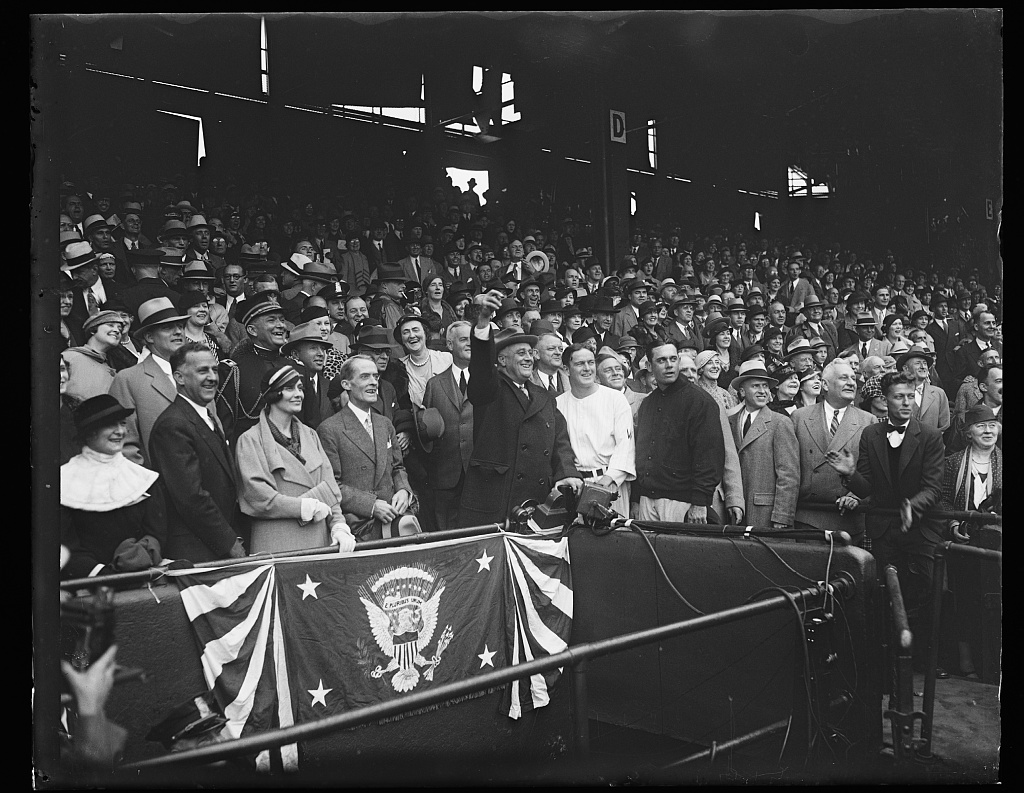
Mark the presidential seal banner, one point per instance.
(300, 638)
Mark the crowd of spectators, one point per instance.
(248, 373)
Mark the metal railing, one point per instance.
(574, 657)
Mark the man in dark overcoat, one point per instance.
(521, 447)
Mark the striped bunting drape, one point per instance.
(236, 620)
(541, 585)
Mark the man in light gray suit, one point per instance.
(449, 457)
(769, 455)
(830, 425)
(367, 461)
(149, 386)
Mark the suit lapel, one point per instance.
(160, 381)
(758, 427)
(381, 442)
(450, 391)
(816, 426)
(909, 446)
(357, 433)
(210, 438)
(847, 427)
(881, 448)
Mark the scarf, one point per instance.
(292, 444)
(96, 482)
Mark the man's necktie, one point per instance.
(92, 302)
(217, 428)
(893, 428)
(834, 427)
(368, 428)
(746, 424)
(551, 384)
(416, 268)
(462, 382)
(864, 350)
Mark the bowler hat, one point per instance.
(506, 336)
(99, 411)
(750, 370)
(158, 311)
(429, 426)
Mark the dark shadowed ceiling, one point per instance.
(742, 90)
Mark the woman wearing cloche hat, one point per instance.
(286, 483)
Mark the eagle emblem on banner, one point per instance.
(402, 605)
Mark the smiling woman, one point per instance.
(90, 372)
(286, 483)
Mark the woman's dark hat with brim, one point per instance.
(99, 411)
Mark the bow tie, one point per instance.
(893, 428)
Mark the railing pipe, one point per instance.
(902, 718)
(571, 657)
(153, 574)
(750, 737)
(940, 514)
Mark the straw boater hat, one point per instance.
(78, 254)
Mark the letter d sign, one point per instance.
(618, 126)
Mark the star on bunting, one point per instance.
(309, 588)
(484, 561)
(320, 693)
(486, 656)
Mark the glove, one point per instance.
(313, 509)
(341, 535)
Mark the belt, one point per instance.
(595, 474)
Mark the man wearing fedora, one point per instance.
(867, 344)
(682, 330)
(239, 398)
(448, 459)
(309, 348)
(931, 406)
(768, 451)
(416, 266)
(363, 449)
(628, 317)
(795, 290)
(816, 326)
(387, 306)
(522, 450)
(187, 446)
(81, 264)
(831, 425)
(199, 243)
(604, 312)
(149, 386)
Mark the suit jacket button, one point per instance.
(547, 424)
(519, 476)
(546, 452)
(524, 447)
(540, 481)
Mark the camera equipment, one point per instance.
(91, 621)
